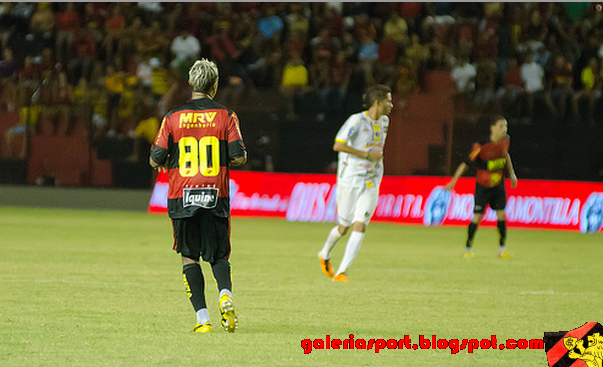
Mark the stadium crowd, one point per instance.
(113, 65)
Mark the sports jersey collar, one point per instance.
(369, 117)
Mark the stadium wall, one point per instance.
(74, 198)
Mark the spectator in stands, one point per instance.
(244, 30)
(406, 83)
(350, 47)
(511, 89)
(270, 24)
(396, 29)
(463, 74)
(160, 85)
(128, 42)
(185, 47)
(325, 43)
(485, 85)
(43, 23)
(93, 21)
(505, 47)
(562, 82)
(440, 57)
(62, 93)
(592, 80)
(333, 21)
(418, 54)
(83, 98)
(85, 52)
(298, 18)
(67, 24)
(532, 77)
(222, 49)
(535, 32)
(318, 73)
(367, 57)
(144, 134)
(114, 28)
(115, 83)
(9, 74)
(295, 82)
(333, 96)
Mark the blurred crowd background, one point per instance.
(90, 82)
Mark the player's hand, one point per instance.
(375, 155)
(514, 182)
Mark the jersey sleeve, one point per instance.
(347, 132)
(236, 146)
(475, 150)
(160, 148)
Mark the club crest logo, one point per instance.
(579, 347)
(436, 206)
(591, 216)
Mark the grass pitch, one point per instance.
(104, 288)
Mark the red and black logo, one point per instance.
(581, 347)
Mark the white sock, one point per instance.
(202, 316)
(468, 249)
(502, 248)
(351, 250)
(225, 291)
(334, 236)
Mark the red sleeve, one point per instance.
(474, 152)
(236, 147)
(161, 139)
(234, 132)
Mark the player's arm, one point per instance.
(237, 152)
(457, 174)
(159, 157)
(511, 171)
(372, 155)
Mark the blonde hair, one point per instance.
(203, 75)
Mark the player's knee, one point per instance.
(477, 217)
(500, 214)
(343, 229)
(359, 227)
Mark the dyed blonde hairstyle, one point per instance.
(203, 75)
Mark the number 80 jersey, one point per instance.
(198, 140)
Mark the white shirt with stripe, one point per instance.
(362, 133)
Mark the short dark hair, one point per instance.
(495, 118)
(375, 93)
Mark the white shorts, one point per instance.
(356, 204)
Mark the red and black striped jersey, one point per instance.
(490, 159)
(198, 140)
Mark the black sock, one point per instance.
(471, 233)
(221, 270)
(194, 285)
(502, 229)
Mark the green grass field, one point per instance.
(104, 288)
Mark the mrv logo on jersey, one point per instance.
(205, 197)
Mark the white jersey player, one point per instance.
(360, 169)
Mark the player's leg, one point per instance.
(185, 232)
(479, 207)
(346, 198)
(219, 233)
(498, 203)
(365, 207)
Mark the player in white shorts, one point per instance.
(359, 172)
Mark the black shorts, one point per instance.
(204, 235)
(495, 196)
